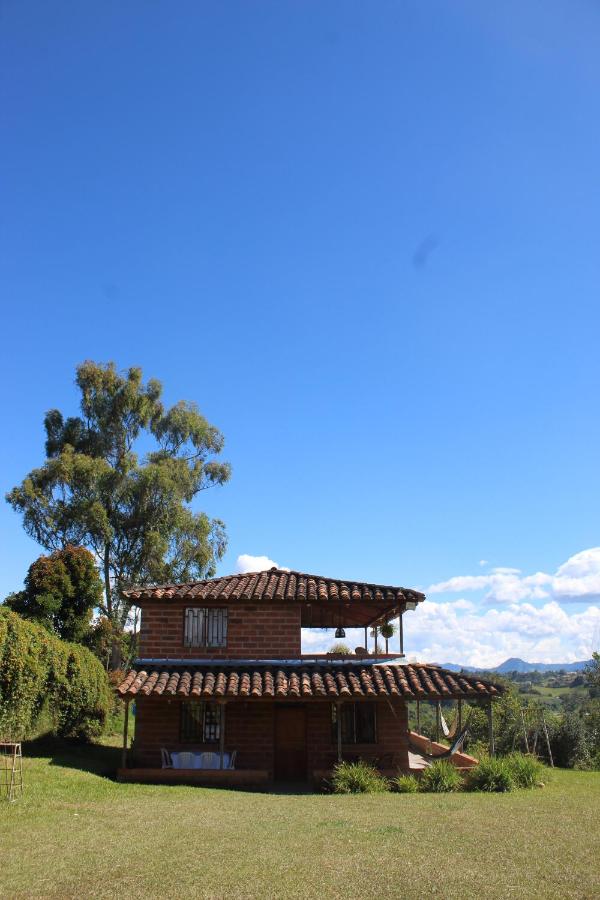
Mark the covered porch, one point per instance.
(285, 723)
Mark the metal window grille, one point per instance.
(358, 722)
(212, 723)
(205, 627)
(200, 722)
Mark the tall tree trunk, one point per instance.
(107, 590)
(116, 656)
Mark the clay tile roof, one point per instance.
(415, 681)
(277, 585)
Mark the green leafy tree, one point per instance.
(592, 676)
(134, 513)
(570, 742)
(506, 719)
(61, 592)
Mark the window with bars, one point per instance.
(358, 721)
(205, 627)
(200, 722)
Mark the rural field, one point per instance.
(77, 833)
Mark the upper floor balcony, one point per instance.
(263, 616)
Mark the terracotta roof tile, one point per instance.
(277, 585)
(414, 681)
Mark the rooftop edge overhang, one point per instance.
(324, 602)
(300, 681)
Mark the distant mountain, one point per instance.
(454, 667)
(514, 664)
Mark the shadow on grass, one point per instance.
(103, 760)
(94, 758)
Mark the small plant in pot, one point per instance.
(387, 631)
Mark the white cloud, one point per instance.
(578, 579)
(457, 632)
(483, 562)
(579, 576)
(248, 563)
(463, 604)
(447, 632)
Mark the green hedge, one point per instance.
(39, 672)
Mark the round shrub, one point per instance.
(406, 784)
(440, 777)
(38, 670)
(493, 775)
(357, 778)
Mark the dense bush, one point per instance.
(357, 778)
(526, 770)
(40, 672)
(493, 774)
(570, 742)
(440, 777)
(406, 784)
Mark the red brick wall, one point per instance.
(249, 729)
(391, 733)
(268, 630)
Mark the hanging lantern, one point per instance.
(340, 633)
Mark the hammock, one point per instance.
(449, 730)
(455, 748)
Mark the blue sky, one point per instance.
(364, 238)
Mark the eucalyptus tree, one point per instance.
(120, 479)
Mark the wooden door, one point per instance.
(290, 743)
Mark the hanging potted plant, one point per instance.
(387, 631)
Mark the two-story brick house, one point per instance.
(221, 668)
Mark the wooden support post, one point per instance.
(366, 639)
(221, 733)
(547, 739)
(401, 634)
(490, 715)
(125, 734)
(375, 632)
(438, 712)
(339, 731)
(418, 717)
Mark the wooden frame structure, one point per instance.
(11, 770)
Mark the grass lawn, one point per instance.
(77, 833)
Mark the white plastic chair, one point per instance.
(212, 760)
(209, 760)
(184, 760)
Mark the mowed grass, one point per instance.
(77, 833)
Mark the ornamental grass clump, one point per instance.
(358, 778)
(440, 777)
(405, 784)
(526, 770)
(492, 775)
